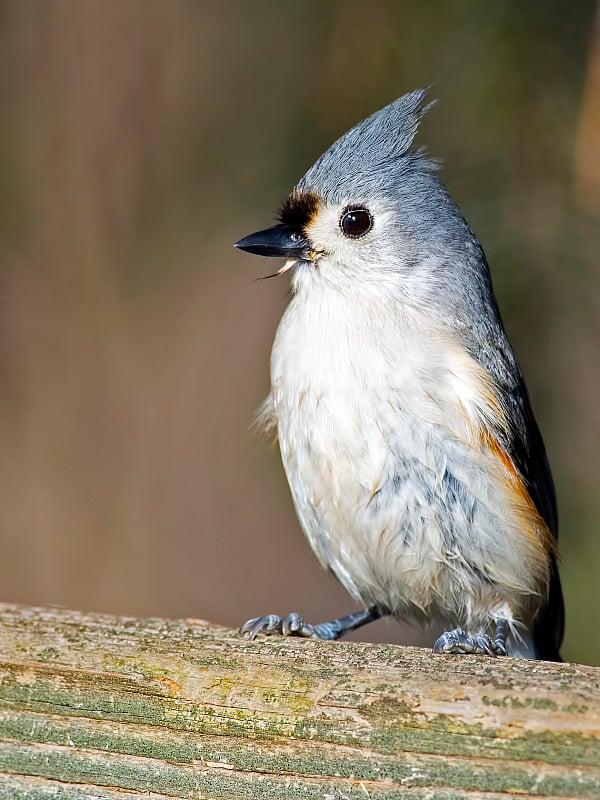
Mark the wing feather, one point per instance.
(524, 445)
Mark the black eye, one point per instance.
(355, 222)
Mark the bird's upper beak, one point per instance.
(280, 240)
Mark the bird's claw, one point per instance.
(272, 624)
(459, 642)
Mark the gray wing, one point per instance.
(529, 455)
(525, 445)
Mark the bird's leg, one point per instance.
(459, 642)
(294, 625)
(500, 638)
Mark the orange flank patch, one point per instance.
(533, 523)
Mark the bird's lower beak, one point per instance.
(280, 240)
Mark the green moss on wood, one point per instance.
(182, 710)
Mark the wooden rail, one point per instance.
(95, 706)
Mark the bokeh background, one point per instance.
(139, 140)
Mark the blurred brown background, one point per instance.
(139, 140)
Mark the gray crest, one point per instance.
(366, 152)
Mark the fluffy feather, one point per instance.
(416, 467)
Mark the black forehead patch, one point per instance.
(299, 209)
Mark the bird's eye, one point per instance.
(355, 222)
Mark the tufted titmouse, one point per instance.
(414, 460)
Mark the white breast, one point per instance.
(377, 419)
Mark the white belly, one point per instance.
(395, 493)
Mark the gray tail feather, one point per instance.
(549, 624)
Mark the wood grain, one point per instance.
(95, 706)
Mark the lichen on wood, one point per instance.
(97, 706)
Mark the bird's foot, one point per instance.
(459, 642)
(295, 625)
(291, 625)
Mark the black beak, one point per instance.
(280, 240)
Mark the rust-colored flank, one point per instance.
(533, 523)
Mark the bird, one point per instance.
(415, 464)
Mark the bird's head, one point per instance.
(371, 212)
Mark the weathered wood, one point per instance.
(95, 706)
